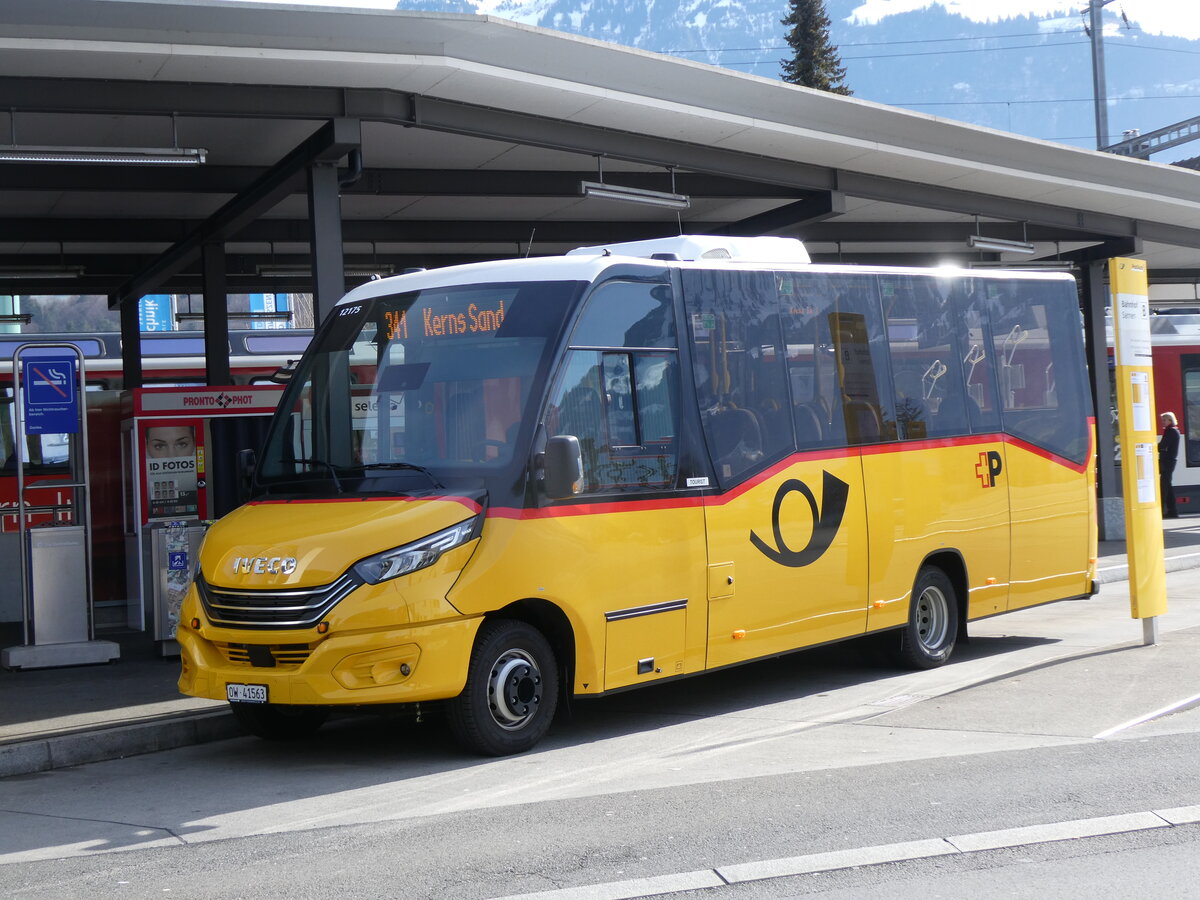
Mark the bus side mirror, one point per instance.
(246, 461)
(284, 373)
(562, 473)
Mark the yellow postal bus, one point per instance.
(500, 483)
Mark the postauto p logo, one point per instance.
(826, 522)
(988, 469)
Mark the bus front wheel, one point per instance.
(511, 692)
(275, 722)
(927, 641)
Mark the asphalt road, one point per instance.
(1055, 756)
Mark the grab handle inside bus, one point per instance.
(562, 467)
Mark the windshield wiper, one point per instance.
(404, 465)
(320, 462)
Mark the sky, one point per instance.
(1175, 17)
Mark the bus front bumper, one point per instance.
(400, 665)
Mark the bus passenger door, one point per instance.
(787, 559)
(626, 554)
(787, 527)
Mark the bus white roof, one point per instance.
(587, 263)
(767, 249)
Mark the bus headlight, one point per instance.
(417, 555)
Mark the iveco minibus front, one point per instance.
(413, 410)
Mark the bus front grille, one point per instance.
(283, 656)
(272, 609)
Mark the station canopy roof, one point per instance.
(475, 135)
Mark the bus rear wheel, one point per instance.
(511, 693)
(275, 722)
(927, 641)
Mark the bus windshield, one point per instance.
(409, 389)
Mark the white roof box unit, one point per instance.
(692, 247)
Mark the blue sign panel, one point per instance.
(155, 313)
(51, 391)
(269, 303)
(177, 560)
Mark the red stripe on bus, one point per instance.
(470, 504)
(593, 509)
(786, 463)
(611, 506)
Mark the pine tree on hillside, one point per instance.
(816, 63)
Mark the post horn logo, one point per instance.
(826, 522)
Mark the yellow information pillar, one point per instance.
(1139, 443)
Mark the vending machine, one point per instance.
(179, 449)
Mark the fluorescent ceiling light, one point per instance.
(13, 273)
(1050, 265)
(126, 156)
(281, 316)
(978, 242)
(292, 271)
(634, 195)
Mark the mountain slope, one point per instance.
(1030, 74)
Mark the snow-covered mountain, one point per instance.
(1017, 65)
(1176, 18)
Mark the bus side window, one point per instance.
(860, 350)
(979, 362)
(1039, 351)
(811, 365)
(924, 337)
(8, 407)
(740, 369)
(1190, 364)
(618, 389)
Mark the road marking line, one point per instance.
(1174, 707)
(962, 844)
(836, 859)
(1166, 559)
(632, 889)
(1057, 831)
(1182, 815)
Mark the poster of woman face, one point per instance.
(171, 471)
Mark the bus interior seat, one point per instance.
(951, 417)
(737, 437)
(777, 427)
(863, 425)
(464, 425)
(808, 426)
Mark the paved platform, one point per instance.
(51, 718)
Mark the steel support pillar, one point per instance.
(329, 143)
(131, 344)
(1110, 512)
(216, 316)
(325, 238)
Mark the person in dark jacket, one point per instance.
(1168, 453)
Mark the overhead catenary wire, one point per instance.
(1046, 44)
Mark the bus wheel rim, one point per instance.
(933, 618)
(514, 689)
